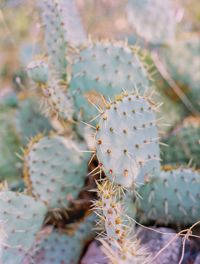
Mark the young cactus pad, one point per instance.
(21, 217)
(111, 212)
(104, 69)
(55, 169)
(172, 197)
(154, 20)
(38, 71)
(127, 140)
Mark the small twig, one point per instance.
(186, 233)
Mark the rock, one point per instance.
(94, 254)
(158, 239)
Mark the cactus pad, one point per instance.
(55, 169)
(61, 246)
(173, 197)
(62, 27)
(9, 145)
(183, 144)
(29, 120)
(57, 101)
(21, 218)
(104, 70)
(127, 140)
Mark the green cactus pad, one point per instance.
(9, 145)
(55, 169)
(154, 20)
(183, 144)
(104, 70)
(57, 101)
(127, 140)
(38, 71)
(182, 61)
(60, 246)
(62, 27)
(29, 120)
(21, 218)
(173, 197)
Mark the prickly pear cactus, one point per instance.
(103, 70)
(176, 58)
(111, 211)
(29, 120)
(55, 169)
(127, 140)
(57, 101)
(183, 144)
(38, 71)
(9, 146)
(63, 246)
(62, 27)
(154, 20)
(119, 243)
(21, 218)
(172, 197)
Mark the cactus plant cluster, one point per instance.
(107, 87)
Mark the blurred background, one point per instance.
(21, 33)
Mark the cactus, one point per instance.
(54, 169)
(154, 20)
(57, 101)
(170, 198)
(119, 245)
(183, 144)
(38, 71)
(103, 69)
(17, 125)
(62, 246)
(9, 145)
(20, 215)
(29, 120)
(62, 27)
(128, 153)
(107, 84)
(176, 58)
